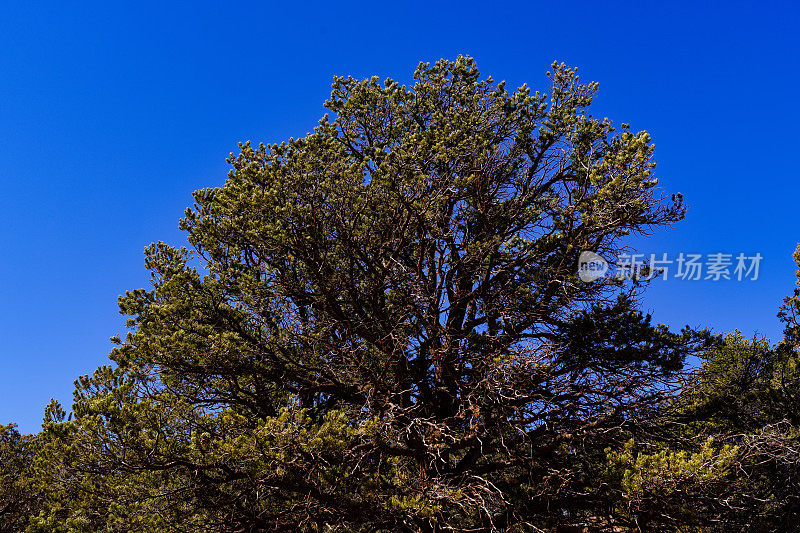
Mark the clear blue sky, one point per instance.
(111, 116)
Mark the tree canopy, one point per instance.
(380, 327)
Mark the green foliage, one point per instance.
(19, 497)
(661, 490)
(663, 472)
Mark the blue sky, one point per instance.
(111, 115)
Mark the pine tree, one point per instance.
(380, 327)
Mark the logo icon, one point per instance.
(591, 266)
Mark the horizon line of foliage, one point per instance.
(379, 327)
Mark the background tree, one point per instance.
(19, 497)
(747, 394)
